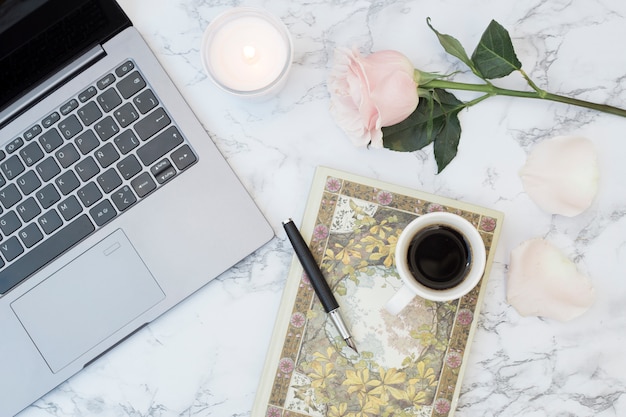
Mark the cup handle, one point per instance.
(399, 300)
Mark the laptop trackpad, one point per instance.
(87, 301)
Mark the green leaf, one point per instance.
(434, 120)
(494, 56)
(452, 46)
(447, 142)
(415, 131)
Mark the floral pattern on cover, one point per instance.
(408, 365)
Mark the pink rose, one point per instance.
(372, 92)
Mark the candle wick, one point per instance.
(249, 54)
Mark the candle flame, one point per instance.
(249, 54)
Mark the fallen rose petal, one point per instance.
(561, 175)
(543, 282)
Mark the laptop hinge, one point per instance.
(51, 84)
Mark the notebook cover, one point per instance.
(408, 365)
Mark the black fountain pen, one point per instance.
(318, 282)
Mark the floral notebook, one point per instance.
(408, 365)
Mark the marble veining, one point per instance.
(204, 357)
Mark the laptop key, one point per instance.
(48, 169)
(106, 128)
(109, 180)
(163, 171)
(89, 113)
(9, 196)
(160, 145)
(125, 68)
(28, 182)
(87, 168)
(143, 184)
(70, 127)
(11, 249)
(33, 132)
(129, 167)
(183, 157)
(50, 120)
(87, 142)
(106, 155)
(12, 167)
(67, 155)
(31, 153)
(69, 208)
(42, 254)
(28, 209)
(14, 145)
(103, 212)
(50, 221)
(126, 141)
(126, 115)
(89, 194)
(87, 94)
(123, 198)
(50, 140)
(145, 101)
(130, 85)
(47, 196)
(109, 100)
(68, 107)
(166, 175)
(67, 182)
(9, 223)
(30, 235)
(160, 166)
(106, 81)
(152, 123)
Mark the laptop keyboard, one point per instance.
(85, 163)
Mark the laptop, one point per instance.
(115, 204)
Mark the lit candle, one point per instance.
(247, 51)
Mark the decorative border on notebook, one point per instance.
(326, 380)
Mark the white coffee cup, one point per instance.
(467, 251)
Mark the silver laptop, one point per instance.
(115, 204)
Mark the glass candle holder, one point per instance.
(247, 52)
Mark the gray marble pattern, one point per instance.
(204, 357)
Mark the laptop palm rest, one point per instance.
(87, 301)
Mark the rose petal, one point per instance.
(368, 93)
(561, 175)
(391, 83)
(543, 282)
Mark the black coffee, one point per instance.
(439, 257)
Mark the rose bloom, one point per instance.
(371, 92)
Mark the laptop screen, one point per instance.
(39, 37)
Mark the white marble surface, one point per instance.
(204, 358)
